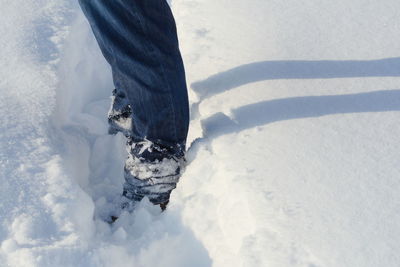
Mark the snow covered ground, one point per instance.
(294, 141)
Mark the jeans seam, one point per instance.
(149, 53)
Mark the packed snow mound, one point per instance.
(292, 158)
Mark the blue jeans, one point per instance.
(138, 39)
(150, 104)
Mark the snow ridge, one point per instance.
(293, 157)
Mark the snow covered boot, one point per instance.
(151, 171)
(120, 114)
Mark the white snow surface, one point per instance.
(293, 146)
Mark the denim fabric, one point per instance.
(138, 39)
(150, 104)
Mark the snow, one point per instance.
(293, 157)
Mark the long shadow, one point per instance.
(272, 70)
(299, 107)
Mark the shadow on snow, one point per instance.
(299, 107)
(296, 107)
(295, 69)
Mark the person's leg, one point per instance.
(138, 38)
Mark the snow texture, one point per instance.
(293, 152)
